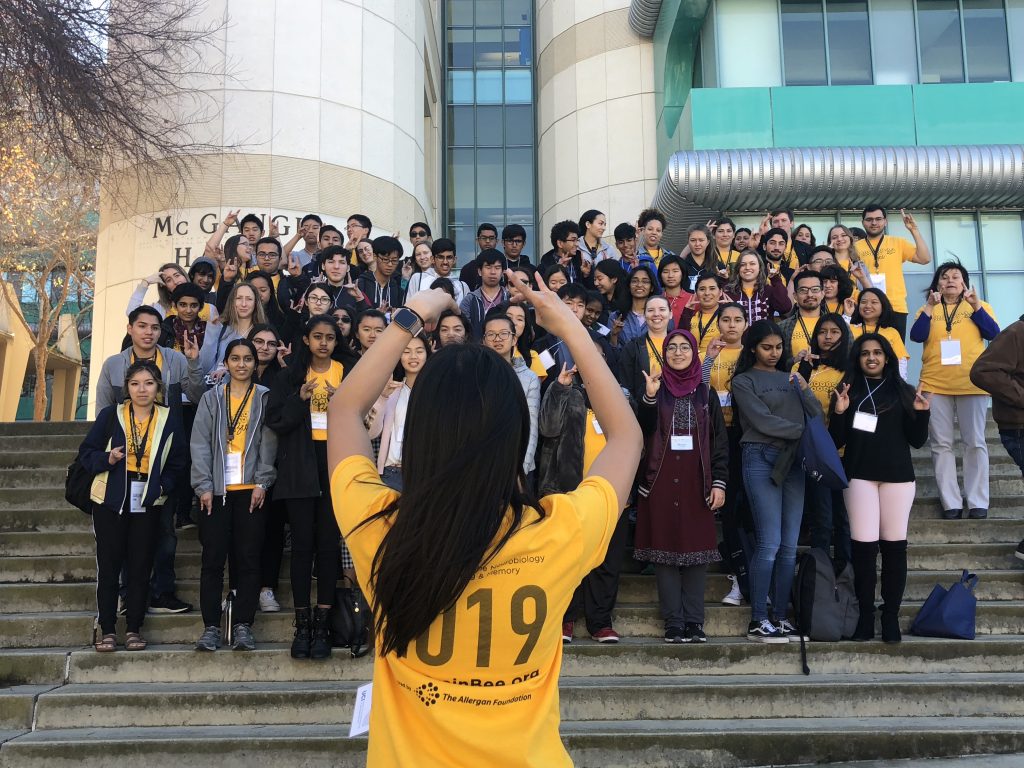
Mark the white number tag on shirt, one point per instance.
(233, 469)
(865, 422)
(597, 426)
(950, 351)
(725, 399)
(682, 442)
(318, 419)
(547, 359)
(879, 282)
(604, 330)
(361, 713)
(135, 499)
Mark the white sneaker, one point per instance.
(268, 602)
(735, 597)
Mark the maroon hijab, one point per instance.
(680, 383)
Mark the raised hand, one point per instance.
(232, 218)
(274, 230)
(390, 388)
(971, 297)
(352, 289)
(550, 312)
(841, 397)
(651, 384)
(230, 271)
(294, 265)
(849, 306)
(908, 221)
(115, 455)
(586, 267)
(805, 354)
(922, 400)
(565, 377)
(283, 350)
(153, 279)
(934, 298)
(715, 346)
(429, 305)
(191, 346)
(307, 389)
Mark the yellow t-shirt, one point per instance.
(237, 443)
(711, 331)
(134, 465)
(722, 369)
(824, 380)
(952, 379)
(800, 341)
(481, 686)
(892, 253)
(658, 344)
(593, 441)
(790, 257)
(655, 253)
(889, 334)
(728, 259)
(535, 364)
(321, 397)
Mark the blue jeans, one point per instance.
(1013, 442)
(392, 478)
(777, 511)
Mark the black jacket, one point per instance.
(288, 416)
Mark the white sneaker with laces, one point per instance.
(268, 602)
(735, 597)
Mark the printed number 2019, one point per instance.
(482, 600)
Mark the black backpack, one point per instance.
(78, 480)
(825, 603)
(349, 620)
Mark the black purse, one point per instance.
(78, 480)
(349, 621)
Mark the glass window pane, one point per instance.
(460, 87)
(892, 26)
(460, 126)
(519, 125)
(988, 56)
(490, 194)
(956, 237)
(465, 247)
(488, 87)
(460, 13)
(938, 23)
(488, 48)
(1003, 292)
(518, 47)
(849, 46)
(488, 13)
(518, 12)
(518, 86)
(803, 42)
(819, 224)
(488, 126)
(519, 181)
(461, 187)
(1002, 238)
(460, 48)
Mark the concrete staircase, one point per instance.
(729, 703)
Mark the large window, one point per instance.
(949, 30)
(826, 42)
(490, 164)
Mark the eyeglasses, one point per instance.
(264, 343)
(677, 348)
(267, 253)
(418, 233)
(808, 290)
(387, 259)
(318, 300)
(445, 257)
(514, 240)
(498, 335)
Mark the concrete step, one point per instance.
(17, 704)
(30, 429)
(69, 628)
(43, 458)
(62, 517)
(654, 743)
(57, 442)
(633, 588)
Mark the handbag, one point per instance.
(817, 452)
(78, 480)
(949, 612)
(349, 621)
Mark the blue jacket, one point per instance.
(166, 458)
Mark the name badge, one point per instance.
(361, 712)
(865, 422)
(604, 330)
(318, 419)
(878, 281)
(682, 442)
(135, 497)
(597, 426)
(950, 351)
(547, 359)
(725, 399)
(233, 469)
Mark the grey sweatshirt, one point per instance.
(769, 409)
(180, 376)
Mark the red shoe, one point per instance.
(567, 627)
(606, 635)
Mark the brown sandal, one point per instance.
(133, 642)
(106, 644)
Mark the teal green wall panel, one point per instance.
(729, 118)
(971, 113)
(856, 115)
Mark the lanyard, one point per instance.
(154, 359)
(655, 351)
(950, 315)
(874, 251)
(139, 443)
(870, 395)
(702, 330)
(233, 421)
(803, 327)
(868, 330)
(830, 310)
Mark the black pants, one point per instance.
(273, 543)
(314, 529)
(231, 527)
(128, 541)
(183, 497)
(595, 597)
(735, 517)
(899, 322)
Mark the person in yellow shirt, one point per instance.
(885, 255)
(724, 231)
(874, 315)
(953, 325)
(467, 574)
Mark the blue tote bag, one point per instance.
(817, 452)
(949, 612)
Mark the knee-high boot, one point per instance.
(865, 575)
(894, 583)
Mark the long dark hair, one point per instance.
(435, 336)
(153, 370)
(621, 301)
(422, 339)
(655, 285)
(753, 336)
(298, 366)
(844, 289)
(524, 344)
(886, 319)
(839, 355)
(890, 374)
(273, 365)
(459, 492)
(942, 269)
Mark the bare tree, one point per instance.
(109, 84)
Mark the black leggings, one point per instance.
(231, 528)
(273, 542)
(128, 541)
(314, 528)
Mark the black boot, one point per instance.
(321, 645)
(894, 583)
(300, 643)
(865, 563)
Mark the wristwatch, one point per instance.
(408, 320)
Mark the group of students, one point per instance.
(216, 411)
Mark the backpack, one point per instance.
(349, 621)
(825, 603)
(78, 480)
